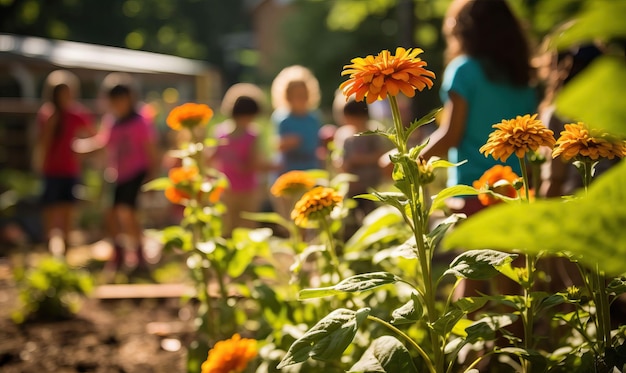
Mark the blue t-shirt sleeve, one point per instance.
(288, 127)
(460, 77)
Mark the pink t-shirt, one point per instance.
(127, 146)
(235, 159)
(60, 159)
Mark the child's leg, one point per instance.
(125, 201)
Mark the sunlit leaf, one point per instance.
(589, 228)
(407, 250)
(354, 284)
(454, 191)
(157, 184)
(411, 312)
(445, 323)
(478, 264)
(327, 339)
(385, 355)
(471, 304)
(601, 20)
(435, 236)
(604, 80)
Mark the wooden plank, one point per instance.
(134, 291)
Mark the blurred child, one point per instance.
(129, 141)
(487, 79)
(61, 119)
(239, 158)
(297, 91)
(361, 153)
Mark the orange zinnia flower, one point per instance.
(180, 177)
(498, 179)
(315, 204)
(375, 77)
(216, 194)
(578, 141)
(189, 115)
(292, 183)
(230, 355)
(519, 136)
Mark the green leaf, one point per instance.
(471, 304)
(478, 264)
(411, 312)
(538, 361)
(160, 183)
(591, 229)
(354, 284)
(435, 236)
(617, 286)
(543, 301)
(445, 323)
(485, 328)
(604, 80)
(407, 250)
(420, 122)
(328, 339)
(442, 163)
(385, 355)
(267, 217)
(453, 191)
(601, 20)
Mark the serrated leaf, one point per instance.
(411, 312)
(385, 355)
(478, 264)
(485, 328)
(160, 183)
(328, 339)
(422, 121)
(354, 284)
(589, 228)
(439, 201)
(445, 323)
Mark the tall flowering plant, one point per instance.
(385, 76)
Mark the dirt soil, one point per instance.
(131, 336)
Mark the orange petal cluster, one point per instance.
(375, 77)
(180, 177)
(578, 141)
(189, 115)
(292, 183)
(230, 355)
(315, 204)
(517, 136)
(498, 179)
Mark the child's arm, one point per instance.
(289, 142)
(91, 144)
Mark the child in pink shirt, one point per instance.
(238, 158)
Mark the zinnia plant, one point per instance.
(292, 183)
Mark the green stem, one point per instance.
(414, 344)
(332, 252)
(522, 164)
(527, 315)
(599, 294)
(475, 362)
(602, 309)
(397, 122)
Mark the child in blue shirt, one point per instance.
(298, 130)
